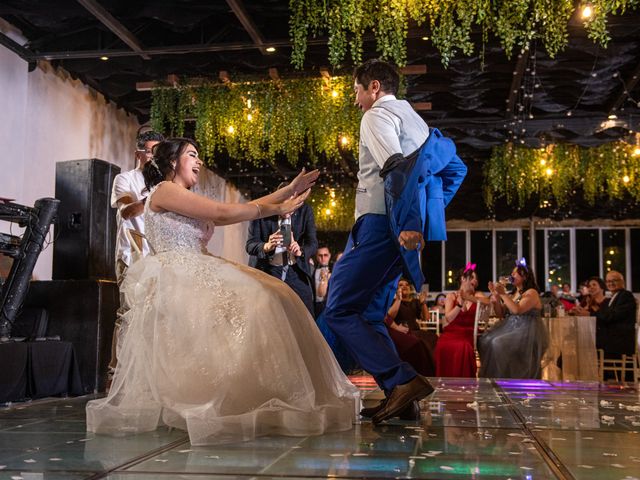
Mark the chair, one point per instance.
(433, 323)
(481, 321)
(622, 364)
(137, 239)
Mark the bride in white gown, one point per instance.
(221, 350)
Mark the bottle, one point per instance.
(560, 310)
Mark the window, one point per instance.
(455, 257)
(587, 254)
(506, 251)
(482, 256)
(613, 251)
(558, 258)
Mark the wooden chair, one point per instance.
(622, 364)
(433, 323)
(481, 321)
(137, 239)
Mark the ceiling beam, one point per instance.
(516, 83)
(627, 87)
(241, 14)
(16, 48)
(115, 26)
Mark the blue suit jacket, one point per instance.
(417, 190)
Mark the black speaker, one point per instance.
(82, 312)
(85, 233)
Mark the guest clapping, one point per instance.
(455, 355)
(514, 348)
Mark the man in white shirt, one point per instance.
(355, 309)
(128, 196)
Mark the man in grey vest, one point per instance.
(372, 258)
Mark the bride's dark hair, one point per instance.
(529, 278)
(164, 153)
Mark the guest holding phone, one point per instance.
(281, 247)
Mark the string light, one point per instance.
(549, 172)
(344, 140)
(587, 12)
(334, 93)
(543, 162)
(327, 212)
(231, 129)
(626, 179)
(249, 117)
(636, 151)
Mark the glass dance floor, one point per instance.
(469, 429)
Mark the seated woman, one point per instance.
(455, 355)
(196, 355)
(514, 347)
(595, 301)
(414, 345)
(439, 303)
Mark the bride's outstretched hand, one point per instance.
(304, 181)
(293, 203)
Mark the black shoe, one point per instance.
(402, 396)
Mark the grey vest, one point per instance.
(412, 133)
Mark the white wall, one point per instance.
(47, 117)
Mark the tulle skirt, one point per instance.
(223, 351)
(514, 348)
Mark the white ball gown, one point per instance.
(221, 350)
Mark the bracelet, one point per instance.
(259, 210)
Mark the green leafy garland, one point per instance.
(257, 121)
(450, 22)
(333, 208)
(518, 173)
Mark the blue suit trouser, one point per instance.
(361, 287)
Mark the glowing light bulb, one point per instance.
(270, 49)
(231, 129)
(587, 12)
(636, 151)
(549, 172)
(626, 179)
(327, 211)
(334, 94)
(104, 58)
(332, 194)
(344, 140)
(543, 162)
(608, 262)
(611, 252)
(333, 203)
(249, 117)
(613, 116)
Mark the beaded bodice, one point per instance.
(167, 231)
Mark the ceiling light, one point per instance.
(270, 49)
(613, 116)
(425, 38)
(104, 58)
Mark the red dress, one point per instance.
(455, 356)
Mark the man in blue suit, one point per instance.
(397, 189)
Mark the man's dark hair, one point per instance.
(375, 69)
(148, 136)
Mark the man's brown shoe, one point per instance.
(402, 396)
(412, 412)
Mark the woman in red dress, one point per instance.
(455, 355)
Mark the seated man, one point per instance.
(615, 321)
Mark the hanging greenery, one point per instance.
(449, 24)
(257, 121)
(517, 174)
(333, 208)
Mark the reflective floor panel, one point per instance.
(469, 428)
